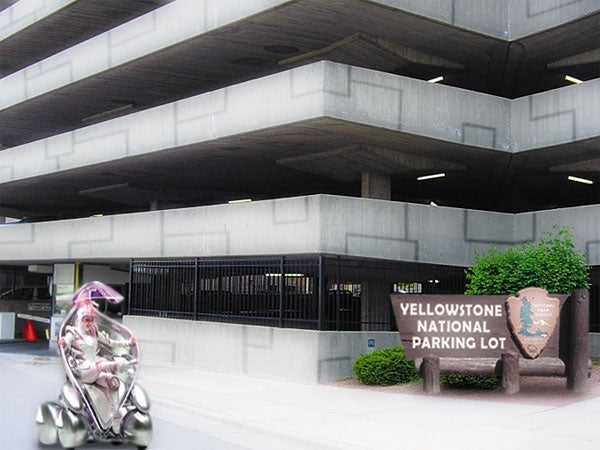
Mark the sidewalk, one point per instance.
(266, 414)
(331, 417)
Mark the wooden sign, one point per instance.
(501, 335)
(476, 326)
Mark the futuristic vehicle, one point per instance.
(99, 400)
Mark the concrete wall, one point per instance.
(182, 20)
(504, 19)
(304, 356)
(416, 107)
(263, 352)
(165, 26)
(319, 90)
(279, 99)
(261, 228)
(484, 16)
(554, 117)
(532, 16)
(22, 14)
(313, 224)
(410, 232)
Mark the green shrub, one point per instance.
(471, 381)
(385, 367)
(551, 264)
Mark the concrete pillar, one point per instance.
(375, 305)
(65, 283)
(375, 185)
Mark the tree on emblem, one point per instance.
(525, 317)
(525, 314)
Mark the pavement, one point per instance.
(266, 414)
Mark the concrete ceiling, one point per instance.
(269, 163)
(68, 26)
(7, 3)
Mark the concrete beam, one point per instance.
(321, 90)
(313, 224)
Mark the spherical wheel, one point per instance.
(72, 431)
(137, 426)
(46, 417)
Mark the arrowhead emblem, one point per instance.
(532, 317)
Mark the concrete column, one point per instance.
(375, 305)
(375, 185)
(65, 283)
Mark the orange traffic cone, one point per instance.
(29, 332)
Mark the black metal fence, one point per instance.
(275, 292)
(311, 292)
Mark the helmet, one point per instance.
(85, 308)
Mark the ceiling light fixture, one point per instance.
(579, 180)
(430, 177)
(435, 80)
(241, 200)
(293, 275)
(573, 79)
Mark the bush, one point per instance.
(471, 381)
(385, 367)
(552, 264)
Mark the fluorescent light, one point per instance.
(432, 203)
(435, 80)
(429, 177)
(573, 79)
(241, 200)
(285, 274)
(579, 180)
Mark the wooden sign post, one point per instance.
(530, 333)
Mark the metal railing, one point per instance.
(274, 292)
(312, 292)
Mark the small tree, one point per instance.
(552, 264)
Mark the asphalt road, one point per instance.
(31, 375)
